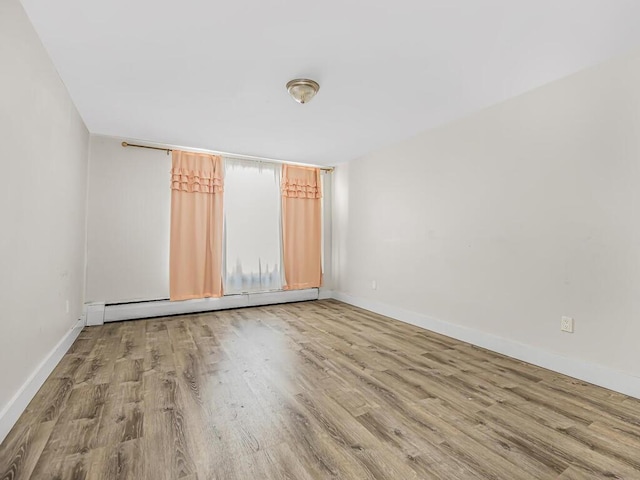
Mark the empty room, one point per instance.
(349, 239)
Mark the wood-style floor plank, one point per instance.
(315, 390)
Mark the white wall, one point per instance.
(129, 219)
(502, 222)
(44, 151)
(128, 222)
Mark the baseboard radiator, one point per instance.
(99, 313)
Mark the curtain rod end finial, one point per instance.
(125, 144)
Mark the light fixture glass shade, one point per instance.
(302, 90)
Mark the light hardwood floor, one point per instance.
(311, 391)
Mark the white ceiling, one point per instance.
(212, 74)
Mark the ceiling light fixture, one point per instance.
(302, 90)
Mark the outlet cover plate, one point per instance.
(566, 324)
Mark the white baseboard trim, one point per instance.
(12, 411)
(163, 308)
(589, 372)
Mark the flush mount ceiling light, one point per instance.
(302, 90)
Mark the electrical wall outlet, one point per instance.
(374, 285)
(566, 324)
(66, 306)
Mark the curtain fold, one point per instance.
(195, 263)
(301, 227)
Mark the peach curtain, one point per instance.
(301, 227)
(195, 263)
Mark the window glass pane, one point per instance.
(252, 226)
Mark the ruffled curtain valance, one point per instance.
(201, 173)
(300, 182)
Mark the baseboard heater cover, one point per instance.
(115, 312)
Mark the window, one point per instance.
(252, 227)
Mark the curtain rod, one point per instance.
(228, 155)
